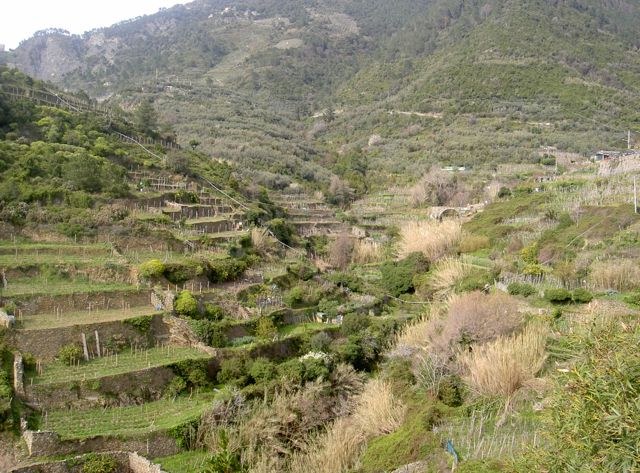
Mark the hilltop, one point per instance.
(413, 83)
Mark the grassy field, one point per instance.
(32, 259)
(300, 329)
(10, 247)
(127, 421)
(125, 362)
(67, 319)
(56, 287)
(185, 462)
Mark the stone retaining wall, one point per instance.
(45, 344)
(127, 463)
(48, 444)
(32, 305)
(119, 390)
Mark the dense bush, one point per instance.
(210, 333)
(178, 273)
(397, 276)
(262, 370)
(282, 230)
(521, 289)
(6, 394)
(353, 324)
(186, 305)
(266, 329)
(302, 270)
(228, 269)
(213, 312)
(152, 269)
(558, 296)
(99, 463)
(581, 296)
(473, 318)
(593, 418)
(234, 371)
(70, 354)
(320, 342)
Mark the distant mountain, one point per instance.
(472, 81)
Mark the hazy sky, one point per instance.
(19, 19)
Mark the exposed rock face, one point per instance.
(50, 56)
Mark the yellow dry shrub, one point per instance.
(620, 275)
(332, 452)
(432, 238)
(377, 412)
(447, 273)
(367, 251)
(501, 367)
(260, 240)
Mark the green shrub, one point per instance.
(591, 422)
(175, 387)
(353, 324)
(178, 273)
(521, 289)
(142, 324)
(295, 297)
(262, 370)
(302, 270)
(291, 371)
(6, 394)
(210, 333)
(476, 280)
(193, 372)
(320, 342)
(350, 281)
(397, 276)
(529, 254)
(633, 299)
(282, 230)
(504, 192)
(227, 269)
(266, 329)
(450, 391)
(213, 312)
(152, 269)
(96, 463)
(70, 354)
(233, 371)
(315, 368)
(557, 296)
(186, 305)
(361, 351)
(581, 296)
(240, 341)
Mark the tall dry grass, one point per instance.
(447, 273)
(260, 240)
(367, 251)
(620, 275)
(473, 318)
(501, 367)
(377, 412)
(432, 238)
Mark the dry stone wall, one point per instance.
(46, 343)
(30, 305)
(48, 444)
(118, 390)
(127, 463)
